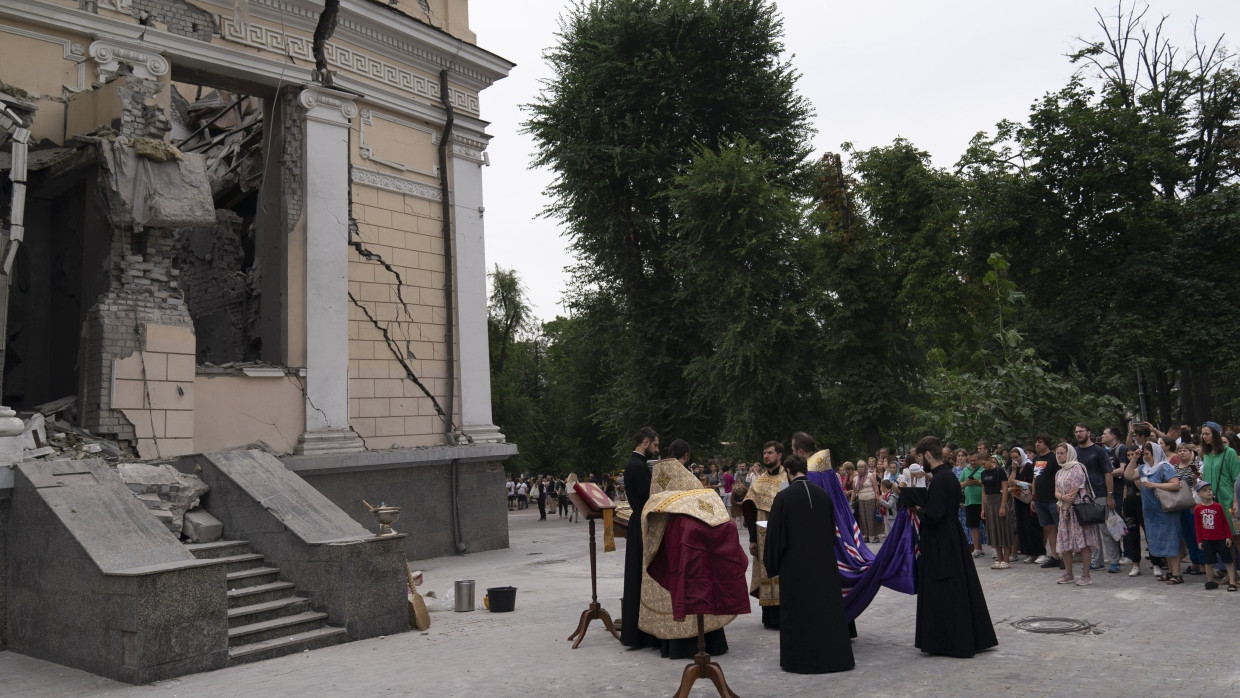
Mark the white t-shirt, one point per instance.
(522, 489)
(510, 488)
(907, 480)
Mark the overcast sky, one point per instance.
(932, 72)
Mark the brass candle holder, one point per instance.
(385, 516)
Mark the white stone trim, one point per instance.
(471, 303)
(472, 149)
(73, 51)
(326, 177)
(330, 106)
(367, 150)
(109, 54)
(400, 185)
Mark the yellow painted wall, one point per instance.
(33, 59)
(235, 411)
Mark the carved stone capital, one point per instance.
(110, 54)
(327, 105)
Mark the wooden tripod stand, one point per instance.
(703, 668)
(595, 610)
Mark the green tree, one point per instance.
(639, 87)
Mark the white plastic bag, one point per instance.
(447, 602)
(1115, 525)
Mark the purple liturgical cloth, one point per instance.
(862, 571)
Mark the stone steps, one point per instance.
(218, 549)
(276, 627)
(267, 610)
(278, 647)
(252, 577)
(240, 563)
(259, 593)
(266, 618)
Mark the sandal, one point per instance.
(1231, 587)
(1173, 580)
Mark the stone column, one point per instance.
(471, 292)
(326, 175)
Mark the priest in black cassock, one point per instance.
(952, 618)
(800, 549)
(637, 486)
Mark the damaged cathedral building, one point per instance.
(242, 243)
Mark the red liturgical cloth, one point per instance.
(702, 567)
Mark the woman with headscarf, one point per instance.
(1162, 530)
(1071, 485)
(1028, 532)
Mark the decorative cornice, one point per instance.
(330, 106)
(110, 53)
(300, 46)
(400, 185)
(469, 148)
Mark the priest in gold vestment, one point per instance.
(756, 507)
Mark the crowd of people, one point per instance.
(551, 493)
(1077, 501)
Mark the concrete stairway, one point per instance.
(265, 616)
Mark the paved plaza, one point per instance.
(1149, 639)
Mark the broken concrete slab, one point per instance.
(149, 194)
(202, 527)
(177, 491)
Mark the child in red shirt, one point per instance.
(1214, 535)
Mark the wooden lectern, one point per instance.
(703, 668)
(594, 610)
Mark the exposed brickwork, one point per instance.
(292, 156)
(141, 115)
(221, 291)
(143, 291)
(179, 16)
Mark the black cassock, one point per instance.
(952, 618)
(637, 486)
(800, 548)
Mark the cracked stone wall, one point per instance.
(385, 407)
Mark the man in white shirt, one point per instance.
(511, 489)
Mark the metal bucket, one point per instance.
(464, 595)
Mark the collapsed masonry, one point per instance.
(151, 264)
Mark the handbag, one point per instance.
(1179, 500)
(1089, 512)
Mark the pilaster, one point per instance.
(328, 114)
(471, 291)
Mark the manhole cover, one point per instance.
(547, 562)
(1052, 625)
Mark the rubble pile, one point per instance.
(48, 434)
(166, 491)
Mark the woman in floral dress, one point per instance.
(1070, 484)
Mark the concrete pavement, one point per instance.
(1149, 639)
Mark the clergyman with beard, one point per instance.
(637, 485)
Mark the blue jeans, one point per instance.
(1188, 533)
